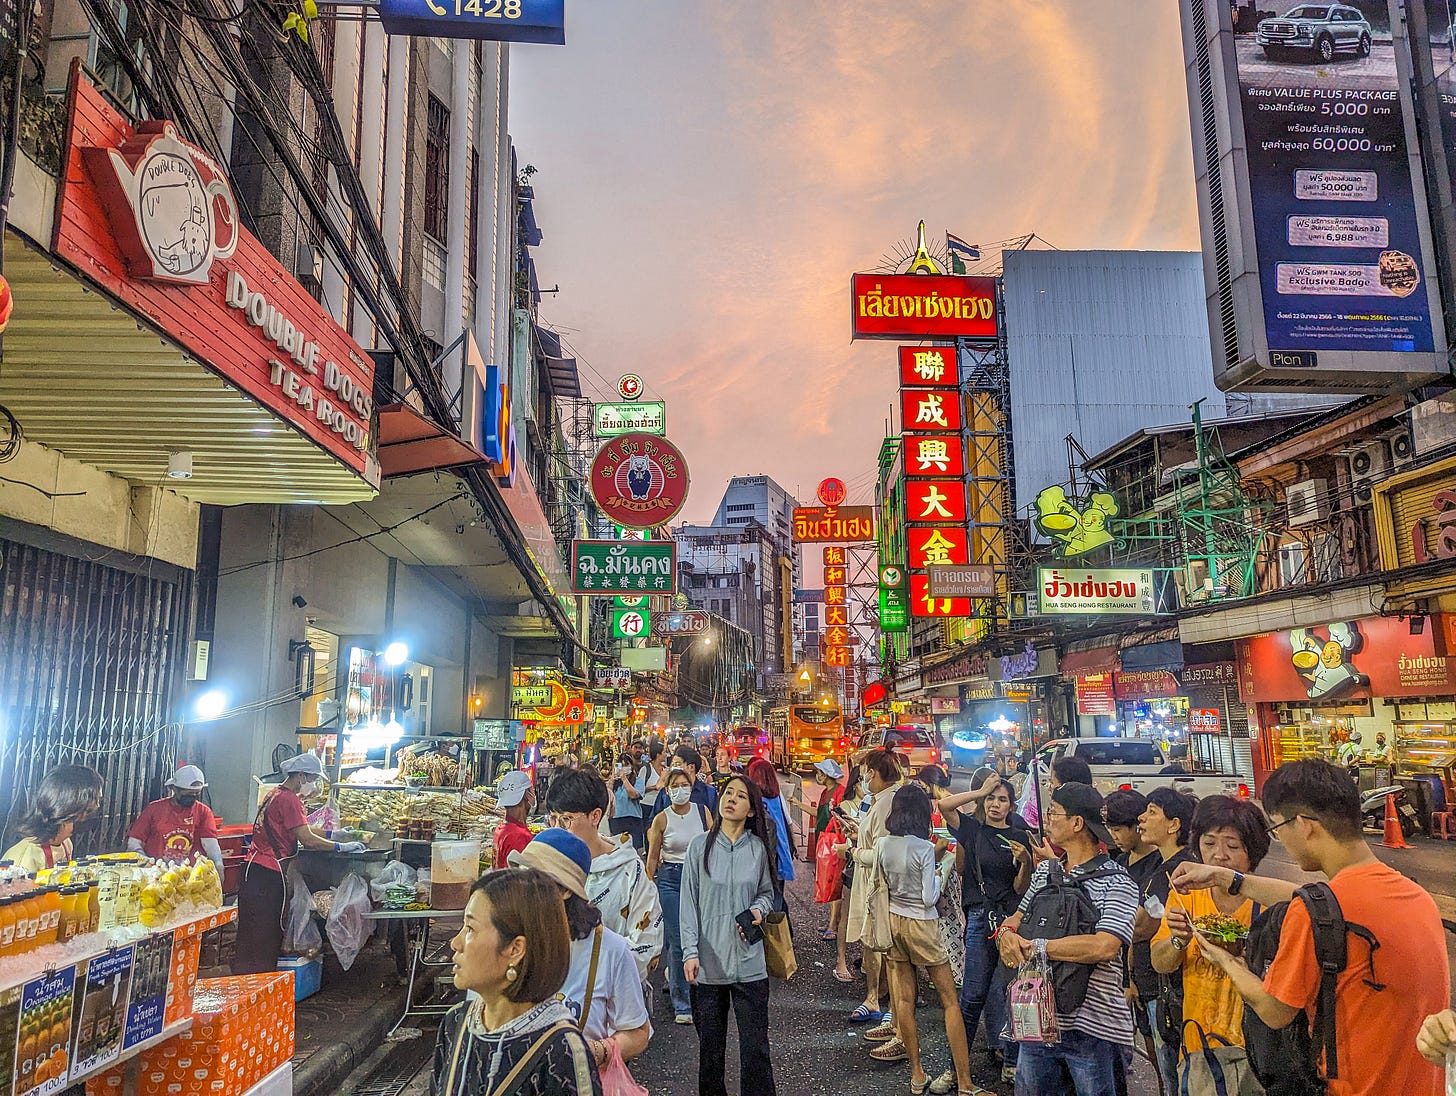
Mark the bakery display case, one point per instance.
(1423, 749)
(1300, 739)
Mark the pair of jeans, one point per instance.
(985, 986)
(1041, 1068)
(669, 893)
(1167, 1052)
(632, 825)
(749, 1002)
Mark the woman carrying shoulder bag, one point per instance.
(518, 1039)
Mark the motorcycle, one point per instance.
(1372, 810)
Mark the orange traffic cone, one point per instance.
(1394, 839)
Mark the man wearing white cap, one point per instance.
(178, 827)
(517, 798)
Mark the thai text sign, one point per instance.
(623, 567)
(965, 581)
(640, 481)
(1204, 721)
(611, 677)
(1095, 695)
(1373, 656)
(922, 604)
(1096, 591)
(945, 705)
(540, 21)
(894, 599)
(609, 420)
(834, 523)
(693, 622)
(940, 306)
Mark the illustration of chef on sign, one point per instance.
(1325, 662)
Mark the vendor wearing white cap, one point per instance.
(517, 798)
(278, 831)
(178, 827)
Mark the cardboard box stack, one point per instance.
(242, 1031)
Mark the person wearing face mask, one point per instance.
(66, 795)
(667, 845)
(178, 827)
(279, 830)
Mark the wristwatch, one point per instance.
(1237, 884)
(1178, 943)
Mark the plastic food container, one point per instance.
(454, 866)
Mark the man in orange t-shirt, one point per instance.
(1315, 809)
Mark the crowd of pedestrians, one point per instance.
(1124, 922)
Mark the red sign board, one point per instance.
(924, 306)
(935, 500)
(639, 480)
(1146, 684)
(834, 523)
(152, 220)
(874, 693)
(935, 455)
(832, 491)
(836, 614)
(834, 556)
(836, 656)
(1370, 657)
(923, 605)
(836, 576)
(937, 544)
(1095, 695)
(928, 367)
(1204, 721)
(929, 409)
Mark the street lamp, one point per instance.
(210, 705)
(396, 654)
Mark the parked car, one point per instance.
(750, 742)
(1136, 763)
(1323, 30)
(921, 746)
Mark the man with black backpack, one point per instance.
(1079, 918)
(1361, 959)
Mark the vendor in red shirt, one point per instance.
(178, 827)
(279, 829)
(516, 796)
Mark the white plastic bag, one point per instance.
(394, 872)
(300, 935)
(346, 925)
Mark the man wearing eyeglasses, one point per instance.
(1384, 991)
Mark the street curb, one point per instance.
(321, 1072)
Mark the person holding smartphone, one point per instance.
(727, 891)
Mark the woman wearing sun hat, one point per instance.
(602, 989)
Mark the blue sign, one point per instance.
(542, 21)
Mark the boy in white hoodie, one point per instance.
(618, 885)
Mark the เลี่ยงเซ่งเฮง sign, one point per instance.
(623, 567)
(540, 21)
(941, 306)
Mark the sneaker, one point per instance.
(881, 1032)
(946, 1082)
(892, 1051)
(683, 1018)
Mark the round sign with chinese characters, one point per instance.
(629, 386)
(639, 480)
(832, 491)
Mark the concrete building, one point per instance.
(760, 499)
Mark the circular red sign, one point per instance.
(629, 386)
(832, 491)
(639, 480)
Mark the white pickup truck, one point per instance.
(1135, 763)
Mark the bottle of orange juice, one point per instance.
(26, 910)
(7, 925)
(50, 912)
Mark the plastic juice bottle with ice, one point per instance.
(51, 915)
(93, 906)
(7, 925)
(26, 911)
(108, 879)
(73, 910)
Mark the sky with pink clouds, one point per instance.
(710, 174)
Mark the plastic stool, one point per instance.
(1443, 825)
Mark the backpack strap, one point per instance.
(529, 1058)
(1331, 954)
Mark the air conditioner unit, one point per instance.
(1194, 582)
(1307, 501)
(1402, 447)
(1368, 465)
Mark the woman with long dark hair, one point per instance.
(727, 891)
(761, 772)
(66, 795)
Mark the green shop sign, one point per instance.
(630, 623)
(894, 598)
(623, 567)
(610, 420)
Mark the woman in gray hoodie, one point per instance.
(729, 871)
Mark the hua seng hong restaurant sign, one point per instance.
(1354, 659)
(153, 221)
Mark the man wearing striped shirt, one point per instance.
(1099, 1029)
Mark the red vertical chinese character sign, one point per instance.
(935, 467)
(834, 641)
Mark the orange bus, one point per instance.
(804, 734)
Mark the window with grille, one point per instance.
(437, 168)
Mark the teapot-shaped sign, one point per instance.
(169, 204)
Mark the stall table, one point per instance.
(416, 925)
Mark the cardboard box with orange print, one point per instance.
(242, 1031)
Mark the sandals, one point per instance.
(945, 1083)
(863, 1014)
(892, 1051)
(918, 1088)
(845, 977)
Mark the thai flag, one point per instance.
(960, 253)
